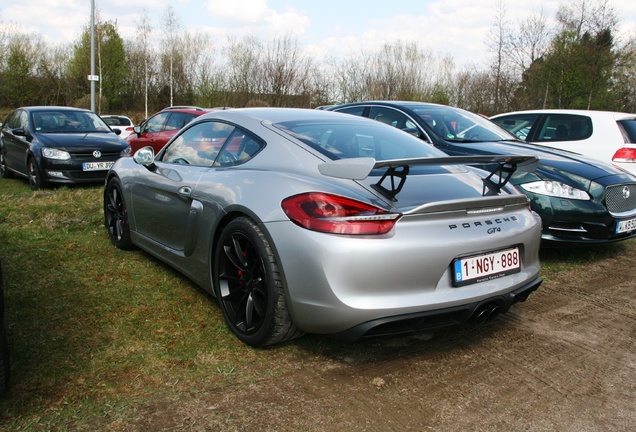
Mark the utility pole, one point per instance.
(92, 77)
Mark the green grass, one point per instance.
(96, 332)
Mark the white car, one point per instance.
(119, 122)
(605, 135)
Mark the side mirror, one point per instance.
(19, 132)
(145, 156)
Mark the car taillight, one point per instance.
(336, 214)
(130, 128)
(625, 154)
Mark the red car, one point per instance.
(158, 129)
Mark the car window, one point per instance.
(178, 120)
(628, 129)
(355, 110)
(156, 123)
(346, 140)
(117, 121)
(212, 144)
(459, 126)
(13, 122)
(392, 117)
(518, 124)
(23, 120)
(238, 148)
(565, 127)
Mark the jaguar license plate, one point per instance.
(624, 226)
(481, 268)
(97, 166)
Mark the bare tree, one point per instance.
(144, 35)
(172, 27)
(530, 42)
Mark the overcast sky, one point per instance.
(324, 27)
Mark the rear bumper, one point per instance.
(478, 312)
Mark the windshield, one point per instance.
(452, 124)
(65, 121)
(341, 140)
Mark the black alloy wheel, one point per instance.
(248, 286)
(116, 215)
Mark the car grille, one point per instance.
(621, 198)
(88, 155)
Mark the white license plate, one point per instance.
(624, 226)
(97, 166)
(481, 268)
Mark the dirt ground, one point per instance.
(564, 360)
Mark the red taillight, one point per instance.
(625, 154)
(336, 214)
(130, 128)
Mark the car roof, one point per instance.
(57, 108)
(598, 113)
(186, 109)
(274, 115)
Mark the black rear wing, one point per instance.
(397, 170)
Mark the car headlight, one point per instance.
(52, 153)
(555, 189)
(125, 152)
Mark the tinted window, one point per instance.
(452, 124)
(178, 120)
(565, 127)
(518, 124)
(356, 110)
(117, 121)
(392, 117)
(350, 140)
(628, 129)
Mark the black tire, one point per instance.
(4, 171)
(116, 215)
(34, 174)
(248, 287)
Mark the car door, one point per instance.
(16, 140)
(149, 133)
(165, 205)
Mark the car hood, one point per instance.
(555, 164)
(73, 141)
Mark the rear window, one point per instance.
(117, 121)
(628, 129)
(352, 140)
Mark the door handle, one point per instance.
(185, 192)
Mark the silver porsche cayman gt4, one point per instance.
(302, 220)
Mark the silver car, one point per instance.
(311, 221)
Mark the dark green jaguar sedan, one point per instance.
(581, 201)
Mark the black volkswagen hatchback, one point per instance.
(58, 145)
(580, 200)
